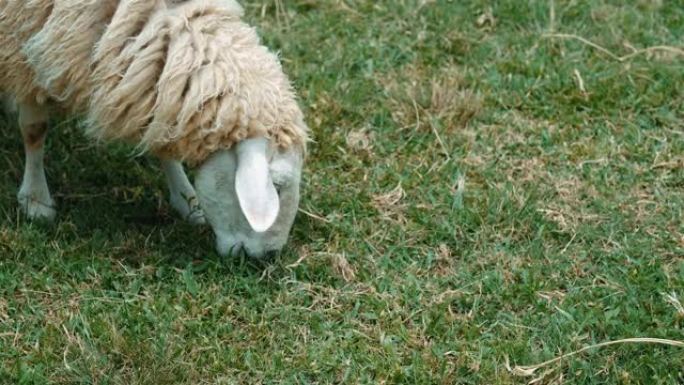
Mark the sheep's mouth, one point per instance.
(239, 250)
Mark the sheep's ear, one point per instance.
(255, 190)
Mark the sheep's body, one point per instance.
(181, 79)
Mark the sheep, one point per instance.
(184, 80)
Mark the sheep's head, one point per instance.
(250, 195)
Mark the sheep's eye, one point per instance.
(278, 187)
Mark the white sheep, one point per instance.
(185, 80)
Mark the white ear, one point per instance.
(255, 190)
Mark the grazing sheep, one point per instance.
(185, 80)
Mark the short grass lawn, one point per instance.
(491, 185)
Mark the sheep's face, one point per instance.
(250, 195)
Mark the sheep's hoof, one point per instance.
(188, 208)
(196, 217)
(36, 209)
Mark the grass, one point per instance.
(484, 192)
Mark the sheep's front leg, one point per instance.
(183, 196)
(34, 195)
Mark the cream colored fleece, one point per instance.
(181, 79)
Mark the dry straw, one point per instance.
(648, 50)
(529, 370)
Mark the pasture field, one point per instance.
(492, 185)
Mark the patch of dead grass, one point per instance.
(360, 140)
(419, 96)
(569, 209)
(343, 268)
(445, 260)
(390, 205)
(4, 309)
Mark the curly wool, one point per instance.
(181, 79)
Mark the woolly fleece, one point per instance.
(181, 79)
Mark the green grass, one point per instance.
(470, 206)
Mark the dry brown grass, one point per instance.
(418, 97)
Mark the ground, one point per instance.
(491, 184)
